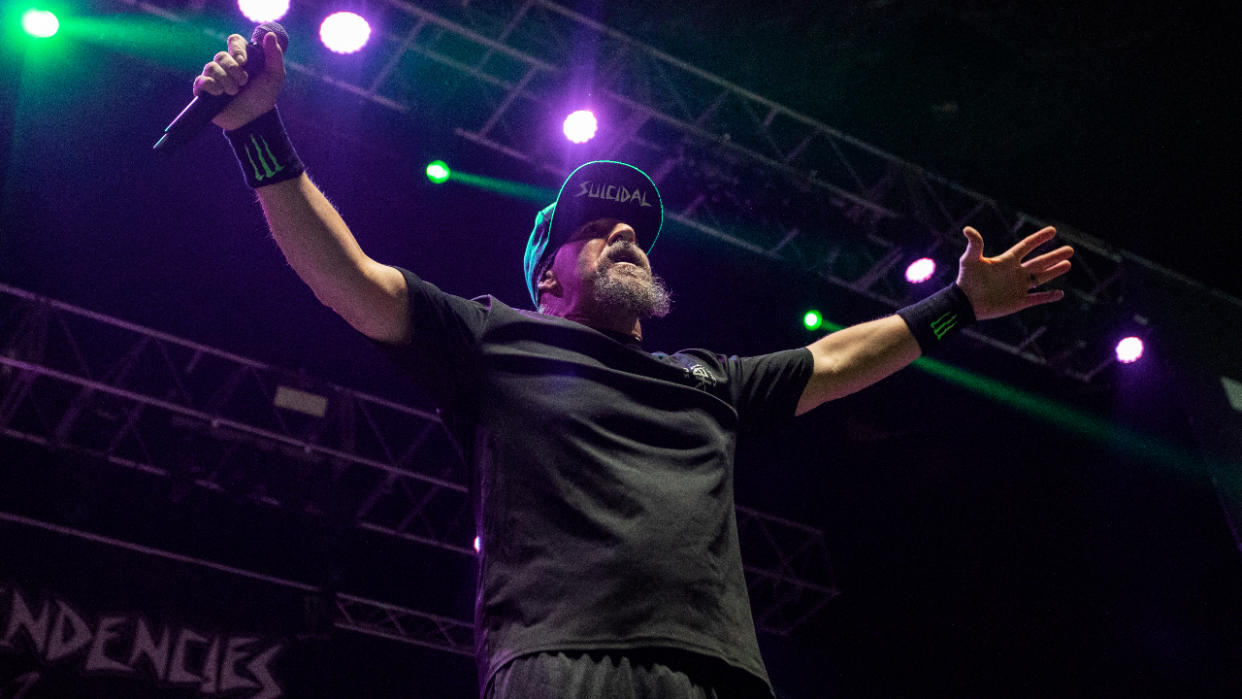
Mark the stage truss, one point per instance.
(732, 165)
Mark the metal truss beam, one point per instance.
(75, 380)
(734, 165)
(782, 560)
(146, 400)
(351, 612)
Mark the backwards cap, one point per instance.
(598, 189)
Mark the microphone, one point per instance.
(204, 107)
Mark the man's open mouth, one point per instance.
(625, 254)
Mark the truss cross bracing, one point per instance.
(81, 382)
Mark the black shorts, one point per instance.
(622, 674)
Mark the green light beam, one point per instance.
(1062, 415)
(170, 44)
(1066, 417)
(508, 188)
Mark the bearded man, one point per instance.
(601, 473)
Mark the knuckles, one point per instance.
(204, 84)
(225, 73)
(237, 48)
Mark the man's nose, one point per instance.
(621, 232)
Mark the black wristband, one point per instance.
(938, 316)
(264, 152)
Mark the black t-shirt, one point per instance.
(602, 477)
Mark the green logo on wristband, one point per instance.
(269, 171)
(942, 325)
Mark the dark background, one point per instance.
(982, 550)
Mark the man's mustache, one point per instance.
(623, 251)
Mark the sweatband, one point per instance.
(264, 152)
(938, 316)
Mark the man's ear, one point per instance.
(548, 283)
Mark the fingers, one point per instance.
(1048, 266)
(215, 80)
(237, 48)
(204, 85)
(1032, 241)
(275, 55)
(1049, 258)
(1050, 273)
(237, 77)
(225, 74)
(974, 244)
(1042, 297)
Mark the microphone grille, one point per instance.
(282, 36)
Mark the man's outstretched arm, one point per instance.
(369, 295)
(860, 355)
(313, 237)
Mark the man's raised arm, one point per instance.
(986, 287)
(313, 237)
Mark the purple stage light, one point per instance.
(263, 10)
(580, 126)
(477, 546)
(344, 32)
(920, 270)
(1129, 350)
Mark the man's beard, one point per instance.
(639, 292)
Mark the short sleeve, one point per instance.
(445, 330)
(766, 388)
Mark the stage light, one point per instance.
(438, 171)
(920, 270)
(812, 319)
(344, 32)
(263, 10)
(40, 23)
(580, 126)
(1129, 350)
(477, 546)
